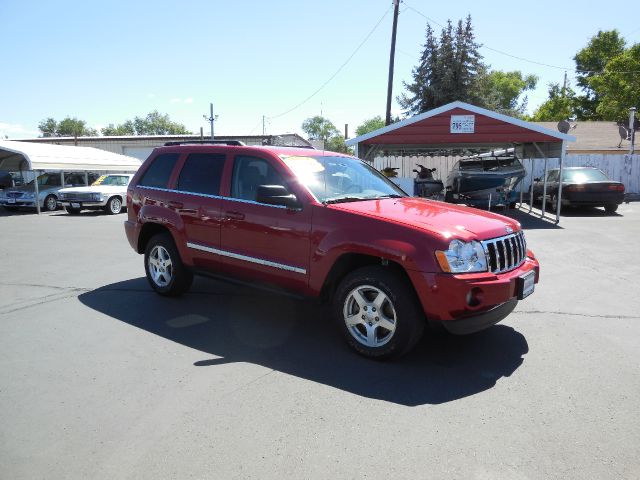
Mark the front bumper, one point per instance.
(19, 202)
(91, 204)
(595, 199)
(465, 297)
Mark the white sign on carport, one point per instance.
(25, 156)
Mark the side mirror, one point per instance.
(276, 195)
(537, 179)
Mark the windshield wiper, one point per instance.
(392, 195)
(344, 200)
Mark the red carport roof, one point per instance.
(433, 128)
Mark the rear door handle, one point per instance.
(234, 215)
(176, 205)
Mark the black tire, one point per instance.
(72, 211)
(50, 203)
(400, 305)
(610, 208)
(113, 206)
(554, 203)
(512, 205)
(177, 278)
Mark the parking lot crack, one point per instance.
(573, 314)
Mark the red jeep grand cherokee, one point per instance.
(326, 225)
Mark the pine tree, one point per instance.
(448, 70)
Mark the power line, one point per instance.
(338, 70)
(408, 7)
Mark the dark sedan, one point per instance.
(581, 186)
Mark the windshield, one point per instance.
(121, 180)
(336, 179)
(584, 175)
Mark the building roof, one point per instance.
(435, 127)
(593, 136)
(16, 156)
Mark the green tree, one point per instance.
(48, 127)
(590, 62)
(618, 86)
(336, 143)
(504, 92)
(370, 125)
(124, 129)
(448, 70)
(67, 127)
(560, 105)
(319, 128)
(153, 123)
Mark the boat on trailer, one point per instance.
(485, 179)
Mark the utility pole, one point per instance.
(263, 130)
(392, 56)
(632, 131)
(564, 85)
(211, 118)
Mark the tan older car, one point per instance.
(108, 193)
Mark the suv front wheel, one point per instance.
(165, 271)
(378, 313)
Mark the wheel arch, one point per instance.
(150, 229)
(348, 262)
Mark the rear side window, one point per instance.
(158, 173)
(201, 173)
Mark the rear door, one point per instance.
(197, 200)
(261, 242)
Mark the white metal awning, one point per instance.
(21, 156)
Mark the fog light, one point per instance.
(474, 297)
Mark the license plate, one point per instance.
(75, 205)
(11, 200)
(526, 284)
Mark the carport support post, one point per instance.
(36, 197)
(562, 157)
(531, 189)
(544, 184)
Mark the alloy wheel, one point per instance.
(370, 316)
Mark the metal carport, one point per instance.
(25, 156)
(461, 127)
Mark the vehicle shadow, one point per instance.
(235, 324)
(531, 220)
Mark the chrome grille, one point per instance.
(505, 253)
(80, 197)
(15, 194)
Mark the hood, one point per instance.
(443, 219)
(94, 189)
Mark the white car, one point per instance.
(108, 193)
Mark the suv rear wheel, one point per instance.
(165, 271)
(378, 313)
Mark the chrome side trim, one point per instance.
(237, 256)
(205, 195)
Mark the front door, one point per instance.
(263, 242)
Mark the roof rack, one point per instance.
(236, 143)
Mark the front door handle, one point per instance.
(234, 215)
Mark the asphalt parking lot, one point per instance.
(102, 378)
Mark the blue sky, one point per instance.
(106, 62)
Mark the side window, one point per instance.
(201, 173)
(74, 179)
(552, 176)
(249, 173)
(158, 173)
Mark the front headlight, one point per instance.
(462, 257)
